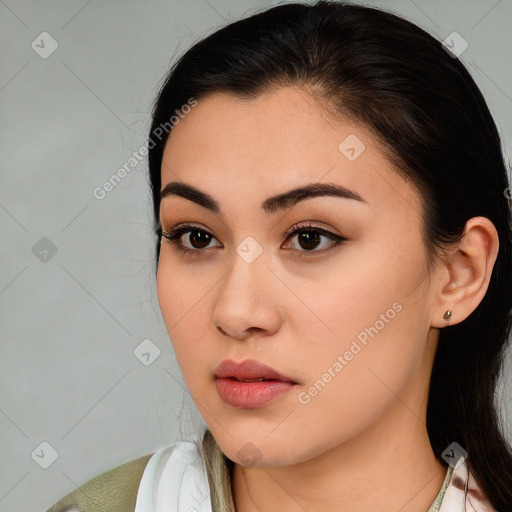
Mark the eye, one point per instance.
(309, 238)
(199, 241)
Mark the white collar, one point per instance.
(174, 479)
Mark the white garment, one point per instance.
(453, 499)
(174, 480)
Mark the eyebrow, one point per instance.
(270, 205)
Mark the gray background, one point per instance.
(70, 321)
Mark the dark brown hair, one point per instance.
(421, 102)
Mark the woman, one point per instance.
(333, 269)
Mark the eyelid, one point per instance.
(310, 225)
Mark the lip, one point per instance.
(237, 385)
(247, 370)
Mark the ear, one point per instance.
(466, 271)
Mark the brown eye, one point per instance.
(199, 239)
(309, 239)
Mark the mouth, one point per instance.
(249, 370)
(250, 384)
(261, 379)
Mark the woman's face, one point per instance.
(347, 325)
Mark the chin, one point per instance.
(260, 451)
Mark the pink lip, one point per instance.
(232, 389)
(248, 369)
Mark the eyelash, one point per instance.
(173, 237)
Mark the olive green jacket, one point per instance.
(112, 491)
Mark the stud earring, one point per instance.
(448, 314)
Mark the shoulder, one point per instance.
(116, 490)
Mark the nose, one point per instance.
(247, 302)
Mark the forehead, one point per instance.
(281, 121)
(280, 139)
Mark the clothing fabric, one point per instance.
(114, 490)
(175, 480)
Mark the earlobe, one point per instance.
(466, 273)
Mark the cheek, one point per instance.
(182, 289)
(364, 341)
(185, 303)
(358, 299)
